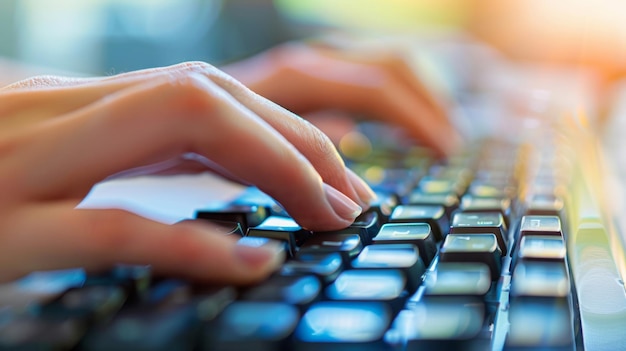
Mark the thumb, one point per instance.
(64, 237)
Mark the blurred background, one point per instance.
(107, 37)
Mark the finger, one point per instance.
(309, 141)
(63, 237)
(161, 120)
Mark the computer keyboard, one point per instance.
(469, 253)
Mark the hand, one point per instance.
(304, 78)
(59, 136)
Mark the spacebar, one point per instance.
(600, 290)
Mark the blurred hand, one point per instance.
(59, 136)
(304, 78)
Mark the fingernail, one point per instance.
(366, 194)
(260, 253)
(343, 206)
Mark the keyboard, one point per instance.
(483, 251)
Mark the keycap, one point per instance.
(418, 234)
(283, 229)
(404, 257)
(347, 245)
(450, 201)
(542, 247)
(441, 323)
(374, 285)
(481, 222)
(540, 279)
(541, 225)
(433, 215)
(458, 279)
(326, 266)
(247, 325)
(366, 225)
(470, 203)
(540, 324)
(343, 325)
(295, 290)
(545, 205)
(244, 214)
(481, 248)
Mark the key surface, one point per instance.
(294, 290)
(247, 325)
(481, 248)
(347, 245)
(542, 247)
(419, 234)
(404, 257)
(326, 266)
(388, 286)
(481, 222)
(343, 325)
(434, 215)
(541, 225)
(458, 279)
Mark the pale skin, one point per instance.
(59, 136)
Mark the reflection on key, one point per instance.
(443, 320)
(542, 247)
(435, 216)
(482, 248)
(344, 322)
(481, 222)
(540, 325)
(404, 257)
(326, 266)
(410, 233)
(543, 225)
(367, 285)
(253, 326)
(549, 279)
(458, 279)
(295, 290)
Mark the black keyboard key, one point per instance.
(481, 248)
(326, 266)
(347, 245)
(366, 225)
(404, 257)
(381, 285)
(246, 215)
(540, 279)
(541, 247)
(247, 325)
(450, 201)
(470, 203)
(283, 229)
(481, 222)
(295, 290)
(545, 205)
(435, 216)
(458, 279)
(418, 234)
(540, 324)
(343, 326)
(442, 323)
(541, 225)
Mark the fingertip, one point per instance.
(363, 190)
